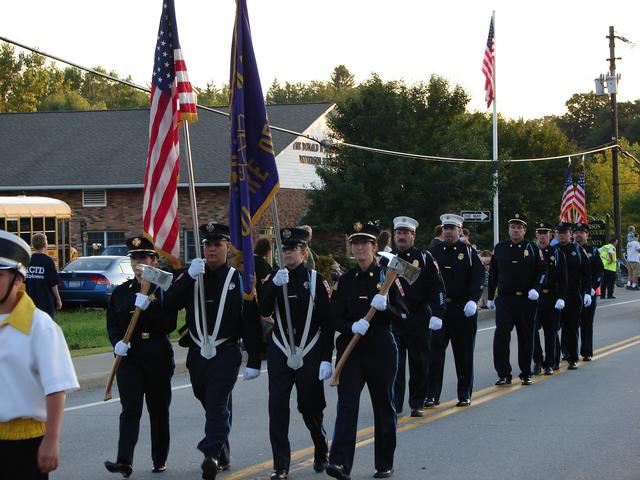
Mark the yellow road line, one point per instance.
(365, 436)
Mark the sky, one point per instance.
(546, 50)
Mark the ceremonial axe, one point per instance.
(150, 275)
(395, 268)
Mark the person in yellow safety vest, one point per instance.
(610, 262)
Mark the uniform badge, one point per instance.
(232, 286)
(306, 285)
(415, 263)
(286, 233)
(573, 253)
(526, 253)
(152, 297)
(357, 227)
(460, 256)
(378, 286)
(136, 242)
(210, 227)
(371, 274)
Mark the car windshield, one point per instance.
(90, 263)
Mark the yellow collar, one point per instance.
(22, 315)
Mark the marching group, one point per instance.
(531, 285)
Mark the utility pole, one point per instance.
(613, 92)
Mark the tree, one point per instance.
(342, 78)
(212, 95)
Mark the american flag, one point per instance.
(172, 100)
(567, 198)
(580, 199)
(488, 64)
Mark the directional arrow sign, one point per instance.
(476, 216)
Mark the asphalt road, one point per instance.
(582, 424)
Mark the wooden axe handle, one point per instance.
(144, 289)
(386, 286)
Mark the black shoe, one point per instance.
(223, 467)
(611, 297)
(556, 367)
(586, 358)
(416, 412)
(526, 381)
(280, 474)
(463, 403)
(209, 468)
(537, 369)
(337, 471)
(565, 359)
(572, 366)
(503, 382)
(118, 467)
(548, 371)
(320, 466)
(159, 467)
(431, 403)
(383, 473)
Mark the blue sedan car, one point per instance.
(89, 281)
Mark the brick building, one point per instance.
(95, 161)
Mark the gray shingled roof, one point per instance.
(109, 147)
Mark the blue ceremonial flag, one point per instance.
(253, 182)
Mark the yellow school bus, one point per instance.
(24, 216)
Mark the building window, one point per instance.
(189, 246)
(97, 241)
(94, 198)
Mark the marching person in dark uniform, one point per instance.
(517, 272)
(424, 301)
(373, 362)
(550, 303)
(581, 236)
(462, 273)
(214, 355)
(147, 365)
(578, 293)
(308, 297)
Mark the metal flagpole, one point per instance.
(294, 361)
(200, 314)
(496, 216)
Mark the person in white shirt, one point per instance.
(633, 262)
(35, 372)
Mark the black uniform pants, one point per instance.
(608, 283)
(461, 331)
(570, 323)
(19, 459)
(373, 362)
(212, 381)
(547, 318)
(518, 311)
(586, 328)
(145, 377)
(417, 349)
(311, 403)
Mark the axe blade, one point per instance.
(403, 268)
(158, 277)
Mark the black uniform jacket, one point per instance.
(158, 320)
(597, 268)
(461, 271)
(240, 317)
(351, 302)
(515, 269)
(299, 292)
(554, 286)
(578, 268)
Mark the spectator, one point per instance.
(312, 257)
(384, 241)
(633, 262)
(42, 277)
(465, 237)
(262, 251)
(485, 259)
(438, 237)
(631, 233)
(610, 262)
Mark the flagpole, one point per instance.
(285, 290)
(196, 235)
(496, 216)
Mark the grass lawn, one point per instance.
(86, 330)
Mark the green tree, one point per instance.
(342, 78)
(213, 95)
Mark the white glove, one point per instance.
(360, 327)
(251, 373)
(379, 302)
(325, 371)
(121, 348)
(435, 323)
(142, 301)
(196, 268)
(586, 300)
(491, 305)
(533, 294)
(281, 277)
(559, 304)
(470, 308)
(593, 292)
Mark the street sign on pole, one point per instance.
(483, 216)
